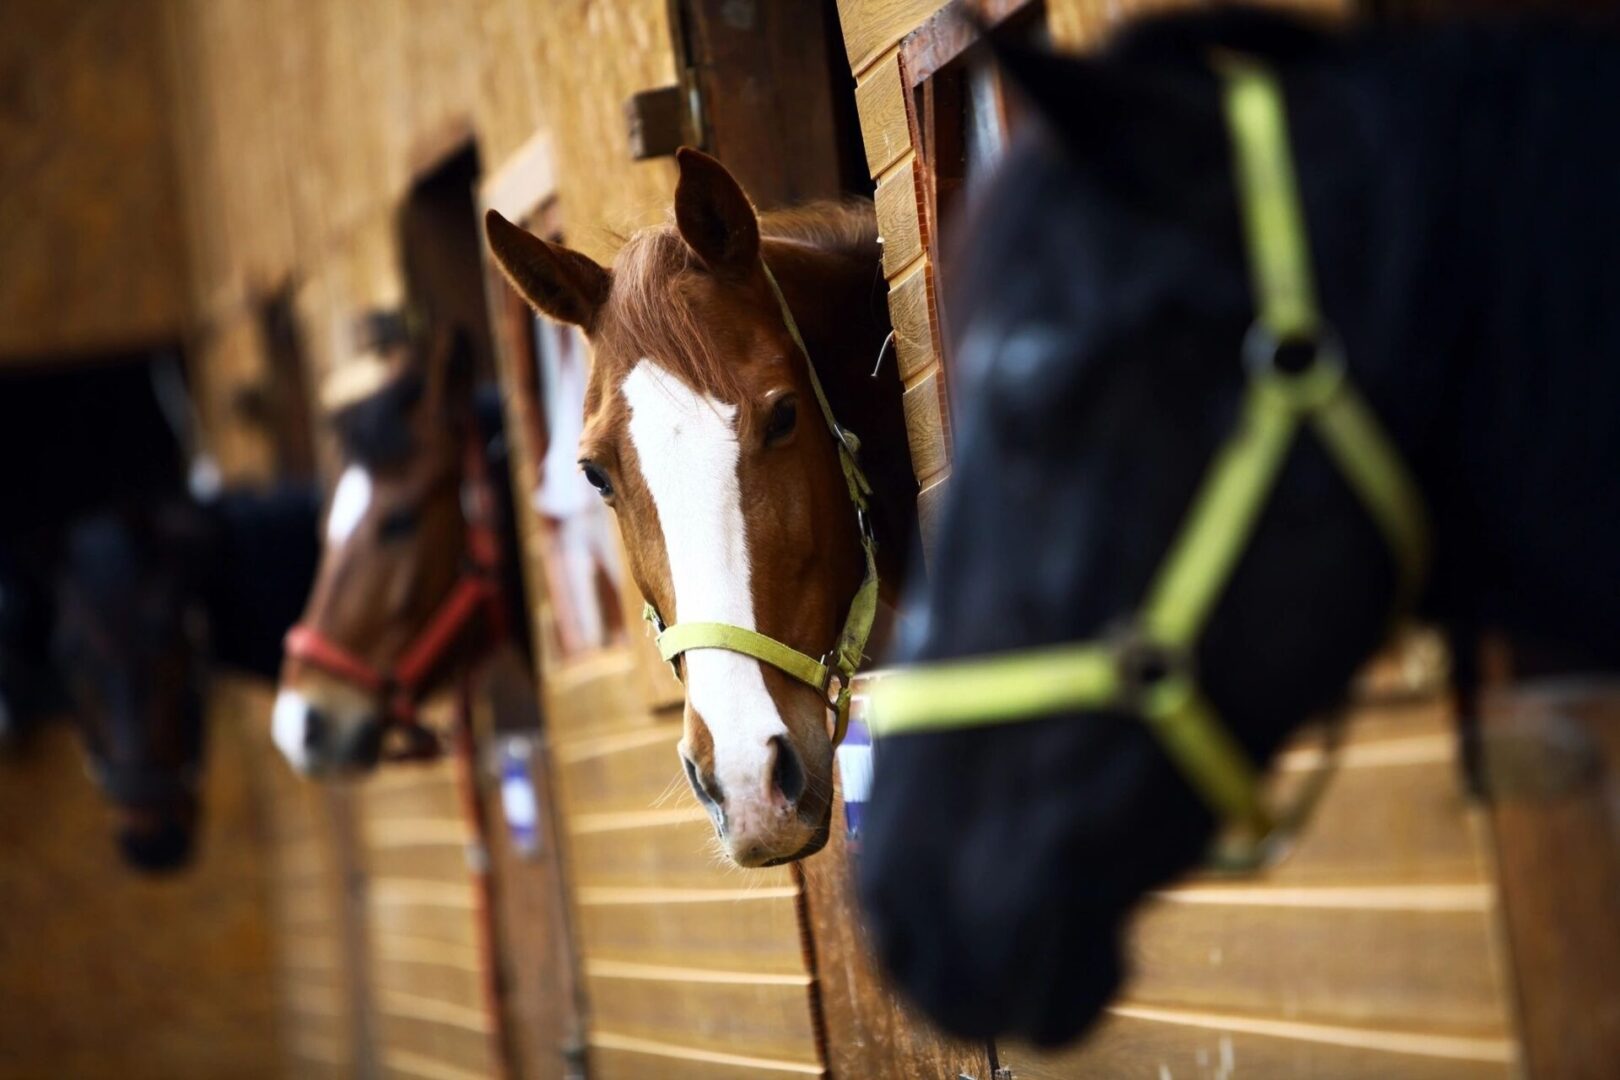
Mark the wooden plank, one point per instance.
(645, 774)
(759, 1020)
(448, 925)
(681, 854)
(897, 219)
(925, 428)
(453, 984)
(913, 326)
(871, 1033)
(453, 1045)
(420, 862)
(596, 694)
(1149, 1043)
(1385, 824)
(403, 1065)
(1329, 964)
(880, 99)
(614, 1056)
(871, 26)
(749, 934)
(754, 65)
(1559, 853)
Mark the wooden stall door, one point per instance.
(688, 968)
(755, 64)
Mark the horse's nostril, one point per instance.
(787, 774)
(707, 789)
(316, 726)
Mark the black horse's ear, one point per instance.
(555, 280)
(1099, 107)
(713, 215)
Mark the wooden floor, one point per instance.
(107, 974)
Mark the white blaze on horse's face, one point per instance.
(687, 445)
(350, 501)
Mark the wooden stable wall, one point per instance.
(300, 128)
(107, 974)
(90, 251)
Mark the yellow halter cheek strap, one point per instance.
(1148, 671)
(844, 660)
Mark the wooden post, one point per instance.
(1551, 752)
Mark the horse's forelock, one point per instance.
(376, 430)
(654, 305)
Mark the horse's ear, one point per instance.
(564, 284)
(1099, 107)
(714, 216)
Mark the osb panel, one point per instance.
(101, 968)
(91, 252)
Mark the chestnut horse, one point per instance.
(412, 586)
(704, 434)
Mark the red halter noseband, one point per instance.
(477, 591)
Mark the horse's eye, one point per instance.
(784, 417)
(398, 523)
(597, 478)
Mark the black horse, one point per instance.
(1459, 194)
(149, 600)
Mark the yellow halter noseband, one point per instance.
(844, 660)
(1148, 671)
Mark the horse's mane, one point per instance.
(655, 264)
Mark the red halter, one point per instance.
(477, 591)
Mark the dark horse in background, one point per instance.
(122, 591)
(1459, 195)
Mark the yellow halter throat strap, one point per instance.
(845, 658)
(1148, 671)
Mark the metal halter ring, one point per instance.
(1144, 665)
(1305, 387)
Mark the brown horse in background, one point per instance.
(702, 432)
(410, 588)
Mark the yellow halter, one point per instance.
(1147, 671)
(844, 660)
